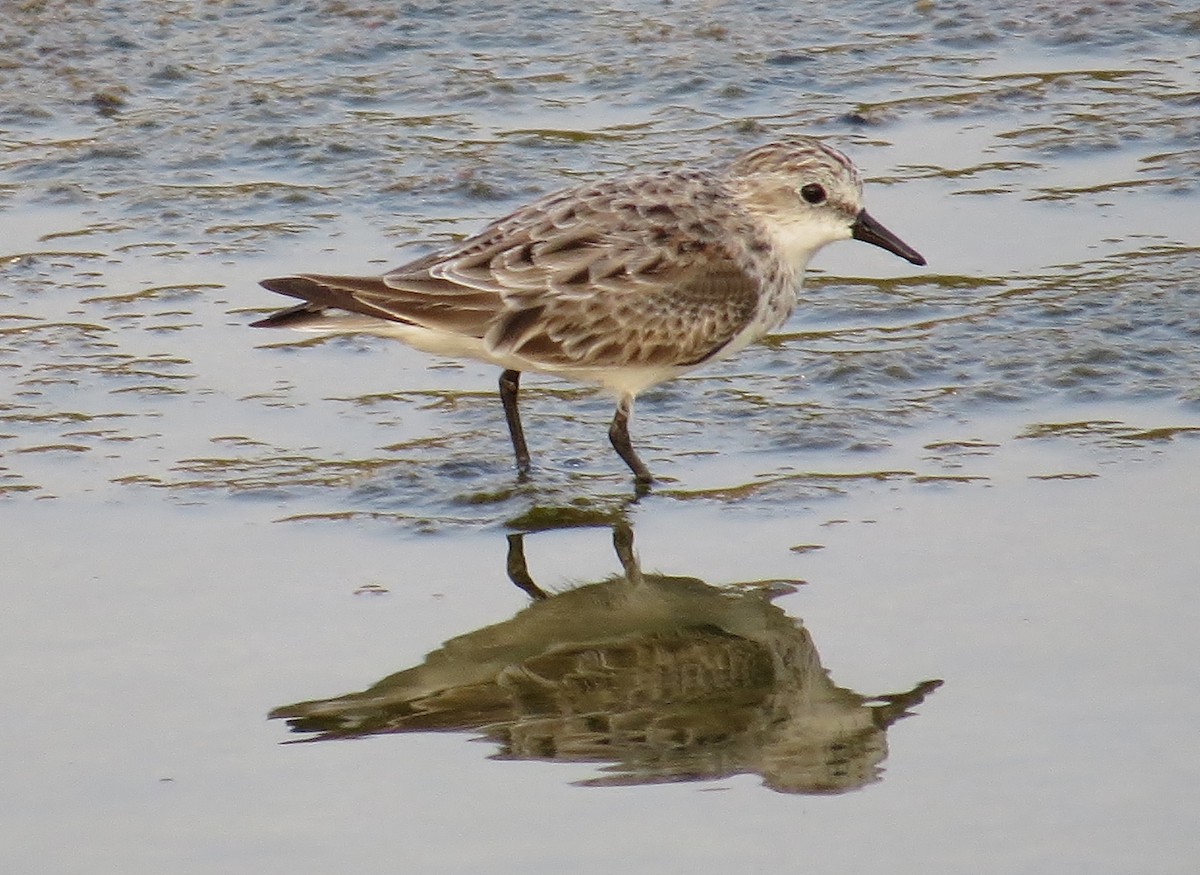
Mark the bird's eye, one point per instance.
(813, 193)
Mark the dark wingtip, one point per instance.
(320, 293)
(292, 286)
(292, 316)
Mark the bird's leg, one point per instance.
(518, 570)
(618, 435)
(623, 544)
(510, 382)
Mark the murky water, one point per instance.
(986, 471)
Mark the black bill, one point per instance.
(866, 229)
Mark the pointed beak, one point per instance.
(866, 229)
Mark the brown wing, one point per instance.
(666, 317)
(640, 271)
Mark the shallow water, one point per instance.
(983, 472)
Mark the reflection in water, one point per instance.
(661, 678)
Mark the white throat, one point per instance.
(800, 240)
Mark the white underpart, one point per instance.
(618, 381)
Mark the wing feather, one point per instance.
(643, 271)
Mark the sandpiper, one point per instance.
(622, 283)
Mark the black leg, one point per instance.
(518, 571)
(623, 544)
(510, 382)
(618, 435)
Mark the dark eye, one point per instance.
(813, 193)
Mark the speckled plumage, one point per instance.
(623, 283)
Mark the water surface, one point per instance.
(983, 472)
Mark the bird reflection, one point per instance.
(658, 678)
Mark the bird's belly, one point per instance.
(617, 379)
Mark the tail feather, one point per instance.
(292, 317)
(320, 294)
